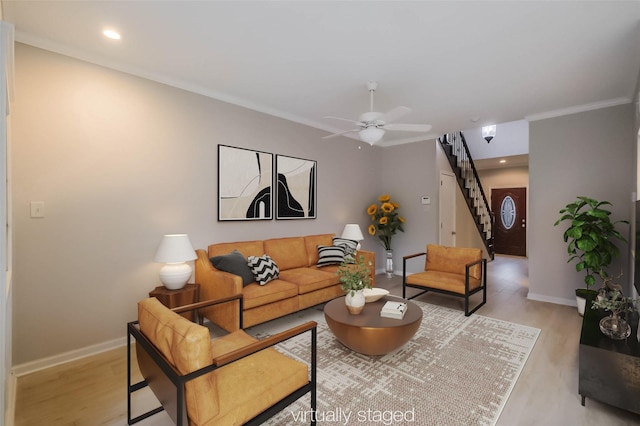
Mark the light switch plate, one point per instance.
(426, 200)
(37, 209)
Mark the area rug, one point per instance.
(456, 370)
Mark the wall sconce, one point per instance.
(489, 132)
(352, 231)
(175, 250)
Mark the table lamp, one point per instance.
(352, 231)
(174, 251)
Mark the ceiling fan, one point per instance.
(372, 125)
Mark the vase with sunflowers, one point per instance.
(386, 221)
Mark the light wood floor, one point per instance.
(92, 391)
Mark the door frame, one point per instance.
(444, 210)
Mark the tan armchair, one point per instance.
(456, 271)
(231, 380)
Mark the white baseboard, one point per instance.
(41, 364)
(556, 300)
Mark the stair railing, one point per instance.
(457, 152)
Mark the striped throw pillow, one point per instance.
(349, 248)
(330, 255)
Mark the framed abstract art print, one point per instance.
(245, 184)
(295, 188)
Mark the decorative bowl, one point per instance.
(373, 294)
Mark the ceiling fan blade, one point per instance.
(394, 114)
(408, 127)
(343, 119)
(340, 133)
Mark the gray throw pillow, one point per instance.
(234, 263)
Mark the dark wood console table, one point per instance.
(609, 369)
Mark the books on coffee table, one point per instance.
(393, 310)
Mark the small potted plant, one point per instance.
(590, 240)
(355, 277)
(610, 298)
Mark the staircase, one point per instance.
(455, 147)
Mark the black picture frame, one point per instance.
(245, 184)
(296, 188)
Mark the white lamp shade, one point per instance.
(371, 134)
(174, 250)
(352, 231)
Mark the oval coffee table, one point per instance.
(368, 333)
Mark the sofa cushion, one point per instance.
(234, 263)
(350, 247)
(247, 248)
(453, 259)
(330, 255)
(187, 346)
(249, 385)
(311, 243)
(263, 268)
(288, 253)
(443, 281)
(309, 279)
(256, 295)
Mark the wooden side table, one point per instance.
(190, 293)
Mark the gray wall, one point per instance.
(590, 154)
(119, 161)
(408, 172)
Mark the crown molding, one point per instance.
(578, 108)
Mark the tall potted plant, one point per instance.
(590, 241)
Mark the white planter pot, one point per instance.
(582, 302)
(355, 301)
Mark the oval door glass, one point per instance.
(508, 212)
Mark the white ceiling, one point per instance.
(302, 60)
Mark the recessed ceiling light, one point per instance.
(112, 34)
(503, 161)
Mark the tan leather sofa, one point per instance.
(456, 271)
(301, 284)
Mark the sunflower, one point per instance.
(385, 221)
(387, 207)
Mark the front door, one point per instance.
(509, 206)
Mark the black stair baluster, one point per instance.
(455, 148)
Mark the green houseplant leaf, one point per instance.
(590, 236)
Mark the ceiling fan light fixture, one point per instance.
(371, 135)
(489, 132)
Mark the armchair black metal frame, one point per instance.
(467, 292)
(169, 385)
